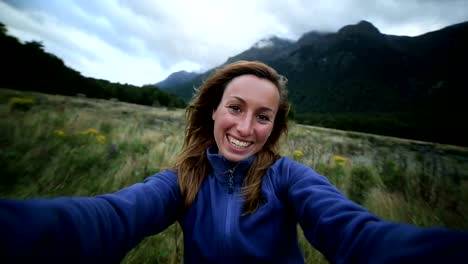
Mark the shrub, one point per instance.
(19, 103)
(430, 189)
(392, 176)
(106, 128)
(335, 174)
(362, 180)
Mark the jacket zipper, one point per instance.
(231, 181)
(230, 190)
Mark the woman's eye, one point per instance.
(263, 117)
(234, 107)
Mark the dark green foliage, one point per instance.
(362, 180)
(335, 174)
(392, 176)
(105, 128)
(441, 189)
(446, 199)
(28, 67)
(8, 172)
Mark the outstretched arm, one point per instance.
(345, 232)
(101, 228)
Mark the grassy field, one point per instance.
(73, 146)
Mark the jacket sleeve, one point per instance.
(89, 229)
(345, 232)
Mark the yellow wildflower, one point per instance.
(298, 154)
(90, 131)
(340, 160)
(59, 133)
(101, 139)
(20, 103)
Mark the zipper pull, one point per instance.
(231, 182)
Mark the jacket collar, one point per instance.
(222, 167)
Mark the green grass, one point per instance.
(73, 146)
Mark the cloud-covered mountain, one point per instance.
(358, 70)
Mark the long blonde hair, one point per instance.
(192, 165)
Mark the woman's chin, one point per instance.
(234, 157)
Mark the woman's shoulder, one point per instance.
(286, 165)
(165, 175)
(288, 170)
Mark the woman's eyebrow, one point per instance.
(266, 109)
(237, 98)
(261, 109)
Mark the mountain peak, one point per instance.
(311, 37)
(272, 41)
(363, 27)
(176, 78)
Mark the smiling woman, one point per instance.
(236, 199)
(244, 118)
(249, 105)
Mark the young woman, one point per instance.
(236, 198)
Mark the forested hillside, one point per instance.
(26, 66)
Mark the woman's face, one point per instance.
(244, 118)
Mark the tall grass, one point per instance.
(65, 146)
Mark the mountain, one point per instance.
(266, 50)
(176, 78)
(360, 79)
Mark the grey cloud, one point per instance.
(303, 16)
(168, 33)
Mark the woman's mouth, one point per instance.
(237, 143)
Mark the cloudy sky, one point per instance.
(142, 41)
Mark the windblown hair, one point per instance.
(192, 165)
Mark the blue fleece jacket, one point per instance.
(103, 228)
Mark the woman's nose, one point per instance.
(244, 127)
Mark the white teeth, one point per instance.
(237, 143)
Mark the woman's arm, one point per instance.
(345, 232)
(101, 228)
